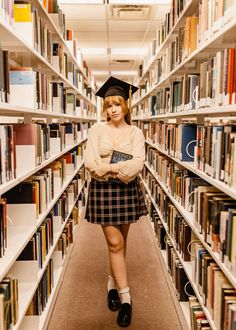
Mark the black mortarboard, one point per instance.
(114, 86)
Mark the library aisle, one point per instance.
(81, 302)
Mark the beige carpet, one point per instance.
(81, 302)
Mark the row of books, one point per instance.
(40, 244)
(217, 293)
(183, 287)
(184, 43)
(24, 87)
(42, 187)
(43, 291)
(171, 17)
(209, 17)
(9, 309)
(175, 268)
(6, 12)
(179, 140)
(37, 142)
(210, 147)
(34, 30)
(212, 85)
(37, 249)
(197, 317)
(213, 215)
(213, 212)
(39, 190)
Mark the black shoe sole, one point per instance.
(123, 325)
(114, 309)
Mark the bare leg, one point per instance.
(125, 230)
(116, 248)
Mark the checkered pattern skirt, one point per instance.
(115, 203)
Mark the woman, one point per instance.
(115, 199)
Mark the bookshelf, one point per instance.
(157, 78)
(59, 175)
(213, 111)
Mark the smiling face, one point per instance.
(116, 110)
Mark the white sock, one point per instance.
(111, 283)
(125, 295)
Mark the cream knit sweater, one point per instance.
(102, 140)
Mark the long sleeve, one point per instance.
(131, 168)
(91, 155)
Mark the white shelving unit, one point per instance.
(10, 184)
(220, 36)
(187, 265)
(188, 216)
(188, 10)
(226, 25)
(11, 40)
(28, 273)
(191, 167)
(9, 110)
(182, 307)
(207, 111)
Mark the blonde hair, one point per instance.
(124, 106)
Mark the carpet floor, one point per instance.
(81, 303)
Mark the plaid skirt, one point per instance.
(115, 203)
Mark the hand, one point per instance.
(102, 169)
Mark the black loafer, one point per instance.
(113, 300)
(124, 315)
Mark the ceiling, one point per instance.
(119, 37)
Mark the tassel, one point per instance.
(130, 99)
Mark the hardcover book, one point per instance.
(118, 156)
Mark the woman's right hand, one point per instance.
(102, 169)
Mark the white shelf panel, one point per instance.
(185, 308)
(191, 167)
(7, 109)
(10, 184)
(189, 219)
(214, 111)
(25, 296)
(17, 239)
(213, 44)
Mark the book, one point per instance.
(118, 156)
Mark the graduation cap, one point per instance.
(114, 86)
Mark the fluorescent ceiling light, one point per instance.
(94, 51)
(145, 2)
(129, 51)
(99, 73)
(81, 2)
(125, 73)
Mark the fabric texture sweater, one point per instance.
(103, 139)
